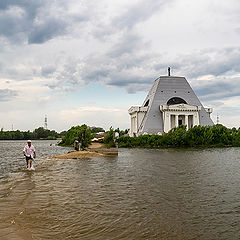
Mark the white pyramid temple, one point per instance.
(170, 102)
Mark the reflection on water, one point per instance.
(141, 194)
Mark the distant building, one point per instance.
(170, 102)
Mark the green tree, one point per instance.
(97, 130)
(109, 138)
(27, 135)
(79, 133)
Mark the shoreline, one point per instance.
(78, 155)
(94, 150)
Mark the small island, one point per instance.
(94, 150)
(86, 144)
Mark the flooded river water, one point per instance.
(140, 194)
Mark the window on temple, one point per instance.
(146, 104)
(176, 100)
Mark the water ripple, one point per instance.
(141, 194)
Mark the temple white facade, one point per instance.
(170, 102)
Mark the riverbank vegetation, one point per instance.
(39, 133)
(80, 133)
(84, 134)
(198, 136)
(109, 138)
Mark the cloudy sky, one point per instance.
(81, 61)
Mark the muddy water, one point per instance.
(141, 194)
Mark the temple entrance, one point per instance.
(179, 114)
(181, 120)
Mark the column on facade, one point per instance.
(171, 118)
(131, 124)
(169, 122)
(166, 127)
(186, 121)
(176, 120)
(136, 122)
(195, 119)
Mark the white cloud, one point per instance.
(51, 48)
(105, 117)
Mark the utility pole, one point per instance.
(45, 122)
(217, 119)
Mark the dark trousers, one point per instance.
(28, 158)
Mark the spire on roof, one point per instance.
(169, 71)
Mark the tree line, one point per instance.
(198, 136)
(42, 133)
(39, 133)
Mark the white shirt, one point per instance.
(29, 150)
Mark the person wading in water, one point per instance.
(29, 153)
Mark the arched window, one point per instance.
(176, 100)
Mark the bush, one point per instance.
(79, 133)
(109, 138)
(217, 135)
